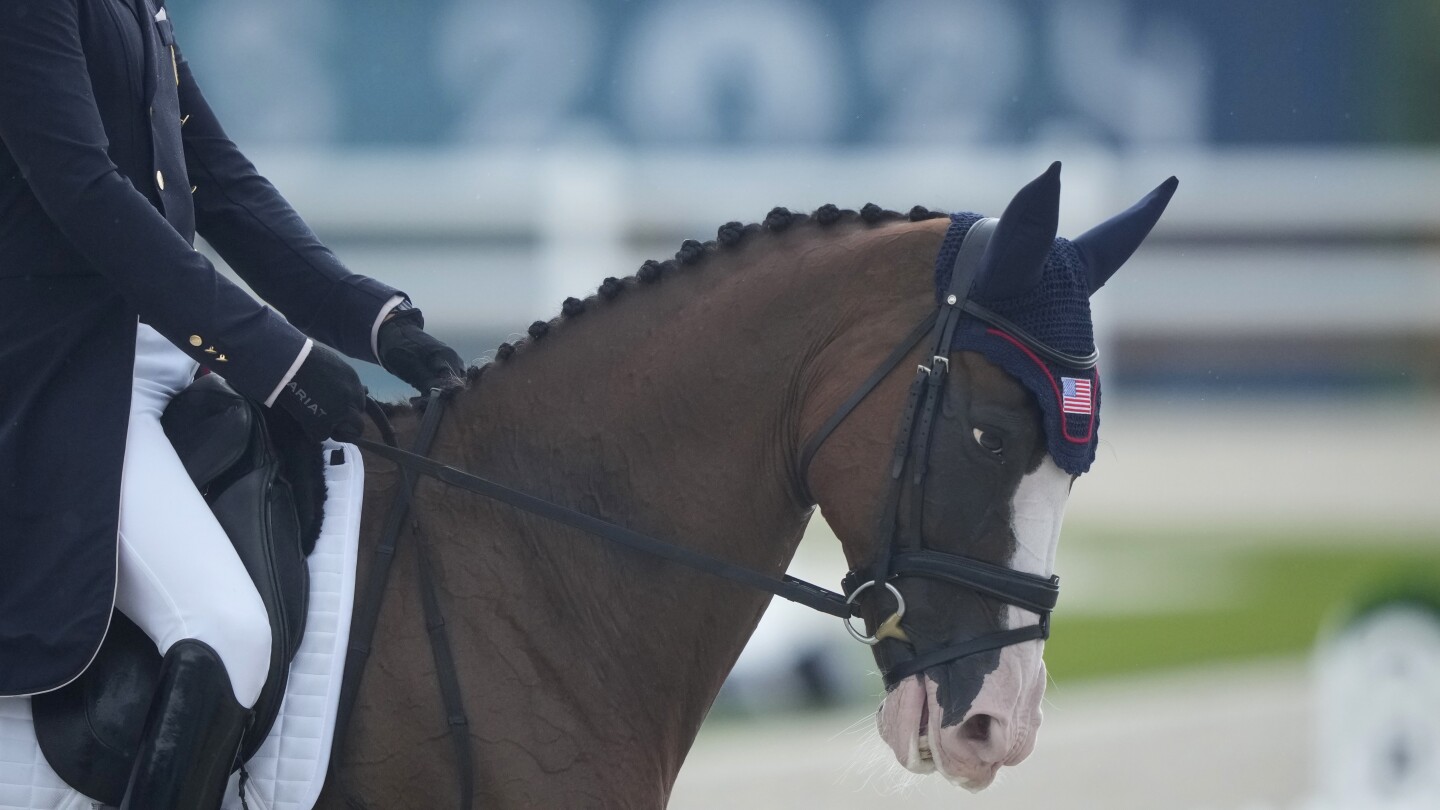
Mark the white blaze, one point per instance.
(1013, 691)
(1010, 695)
(1038, 509)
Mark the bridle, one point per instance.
(897, 557)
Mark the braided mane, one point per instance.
(693, 252)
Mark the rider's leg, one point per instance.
(183, 584)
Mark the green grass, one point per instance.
(1281, 594)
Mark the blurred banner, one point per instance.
(1115, 73)
(497, 156)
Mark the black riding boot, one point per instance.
(191, 734)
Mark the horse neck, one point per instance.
(675, 410)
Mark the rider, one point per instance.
(110, 162)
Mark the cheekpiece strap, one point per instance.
(913, 443)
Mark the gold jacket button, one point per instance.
(195, 341)
(160, 180)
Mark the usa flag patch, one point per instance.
(1075, 396)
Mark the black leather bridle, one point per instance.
(899, 556)
(896, 558)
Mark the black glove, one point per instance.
(415, 357)
(325, 396)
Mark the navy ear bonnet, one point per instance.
(1055, 311)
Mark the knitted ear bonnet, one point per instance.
(1057, 313)
(1034, 284)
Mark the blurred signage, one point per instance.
(1119, 73)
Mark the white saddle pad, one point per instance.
(289, 769)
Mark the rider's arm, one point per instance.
(51, 127)
(250, 224)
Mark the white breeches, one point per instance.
(179, 576)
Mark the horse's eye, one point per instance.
(990, 441)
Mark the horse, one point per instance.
(679, 402)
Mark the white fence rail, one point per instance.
(1270, 249)
(1288, 239)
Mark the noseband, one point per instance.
(898, 557)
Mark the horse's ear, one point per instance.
(1108, 245)
(1016, 254)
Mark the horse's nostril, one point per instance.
(977, 728)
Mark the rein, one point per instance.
(791, 588)
(368, 602)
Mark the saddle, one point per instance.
(265, 483)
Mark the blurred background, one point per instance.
(1271, 355)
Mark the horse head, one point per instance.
(982, 487)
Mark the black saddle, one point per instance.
(265, 483)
